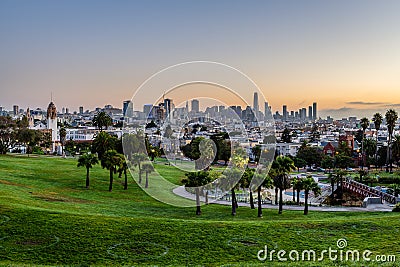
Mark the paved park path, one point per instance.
(180, 191)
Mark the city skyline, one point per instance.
(342, 55)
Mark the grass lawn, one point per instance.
(47, 217)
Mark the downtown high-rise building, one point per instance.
(16, 110)
(81, 110)
(127, 108)
(195, 105)
(310, 113)
(284, 112)
(255, 103)
(314, 110)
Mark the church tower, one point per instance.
(52, 123)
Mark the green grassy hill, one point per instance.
(48, 217)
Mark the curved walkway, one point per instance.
(180, 191)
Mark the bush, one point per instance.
(389, 179)
(396, 208)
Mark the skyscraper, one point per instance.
(127, 108)
(314, 110)
(16, 110)
(81, 110)
(168, 107)
(310, 113)
(195, 105)
(284, 112)
(266, 108)
(255, 103)
(148, 111)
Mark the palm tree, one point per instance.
(232, 177)
(245, 182)
(391, 119)
(87, 160)
(309, 184)
(262, 180)
(377, 119)
(102, 120)
(297, 186)
(110, 161)
(102, 143)
(147, 168)
(137, 159)
(282, 166)
(63, 135)
(364, 125)
(196, 180)
(122, 169)
(396, 149)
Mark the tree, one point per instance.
(396, 149)
(377, 119)
(394, 189)
(29, 138)
(196, 180)
(299, 163)
(391, 119)
(63, 135)
(87, 160)
(147, 168)
(338, 177)
(137, 159)
(232, 178)
(364, 123)
(286, 136)
(328, 162)
(262, 180)
(8, 134)
(122, 169)
(256, 151)
(311, 155)
(245, 182)
(103, 142)
(282, 167)
(102, 120)
(297, 186)
(314, 134)
(309, 184)
(110, 161)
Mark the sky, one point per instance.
(342, 54)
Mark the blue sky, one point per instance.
(94, 53)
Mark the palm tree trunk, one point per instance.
(126, 180)
(294, 196)
(251, 200)
(259, 201)
(276, 195)
(233, 200)
(87, 177)
(147, 180)
(140, 174)
(306, 202)
(198, 209)
(298, 196)
(207, 197)
(388, 154)
(376, 151)
(362, 152)
(280, 201)
(111, 179)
